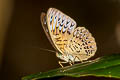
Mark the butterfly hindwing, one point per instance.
(82, 44)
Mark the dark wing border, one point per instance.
(45, 28)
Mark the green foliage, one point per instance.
(107, 66)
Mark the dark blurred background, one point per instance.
(21, 33)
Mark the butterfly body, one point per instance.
(72, 44)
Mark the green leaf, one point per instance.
(107, 66)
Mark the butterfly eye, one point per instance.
(60, 54)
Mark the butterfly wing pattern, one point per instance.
(82, 45)
(60, 27)
(74, 44)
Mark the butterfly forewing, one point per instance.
(60, 27)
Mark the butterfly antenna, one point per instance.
(47, 50)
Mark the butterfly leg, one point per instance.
(70, 63)
(78, 58)
(61, 63)
(74, 59)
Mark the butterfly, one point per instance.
(72, 44)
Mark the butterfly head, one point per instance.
(62, 56)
